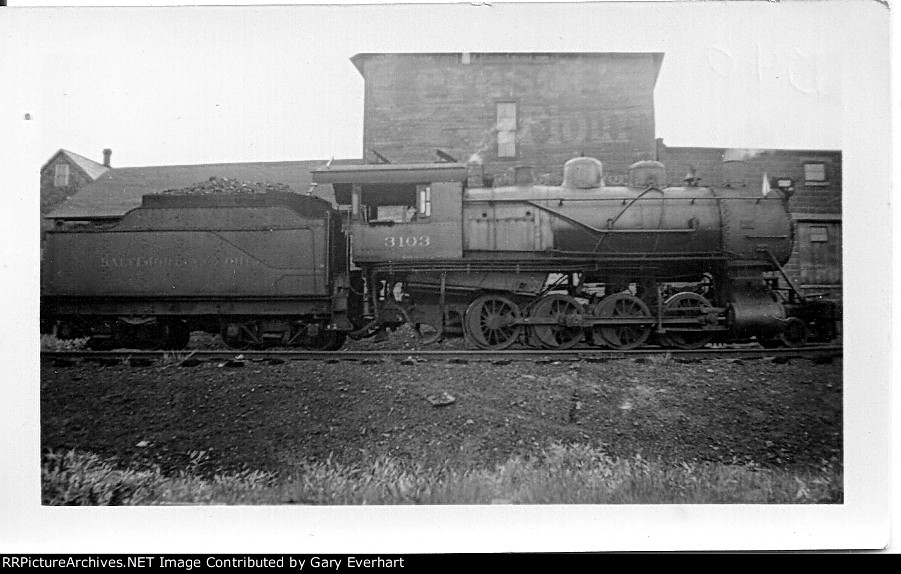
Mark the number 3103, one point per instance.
(412, 241)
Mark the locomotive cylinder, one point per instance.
(758, 316)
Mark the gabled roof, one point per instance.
(119, 190)
(90, 167)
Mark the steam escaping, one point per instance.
(487, 141)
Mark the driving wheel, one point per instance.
(491, 322)
(567, 313)
(623, 306)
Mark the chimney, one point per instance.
(106, 155)
(522, 175)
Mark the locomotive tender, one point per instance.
(548, 266)
(267, 268)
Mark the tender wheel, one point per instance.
(686, 305)
(241, 336)
(490, 322)
(567, 312)
(623, 306)
(324, 341)
(156, 335)
(795, 333)
(178, 336)
(151, 334)
(71, 329)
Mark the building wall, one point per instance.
(599, 105)
(808, 198)
(51, 195)
(816, 207)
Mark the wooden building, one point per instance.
(65, 173)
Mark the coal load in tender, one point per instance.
(222, 185)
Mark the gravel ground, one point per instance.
(272, 416)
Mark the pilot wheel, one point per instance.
(693, 309)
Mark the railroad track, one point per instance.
(809, 352)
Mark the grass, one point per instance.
(573, 474)
(51, 343)
(661, 360)
(84, 479)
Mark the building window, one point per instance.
(819, 234)
(61, 176)
(815, 174)
(506, 129)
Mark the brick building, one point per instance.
(504, 109)
(816, 203)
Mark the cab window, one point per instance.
(394, 204)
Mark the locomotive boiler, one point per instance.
(552, 266)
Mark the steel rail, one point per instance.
(463, 354)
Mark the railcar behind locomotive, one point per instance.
(257, 269)
(547, 266)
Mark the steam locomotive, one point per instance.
(432, 246)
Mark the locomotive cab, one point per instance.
(400, 212)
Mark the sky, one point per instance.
(184, 85)
(163, 86)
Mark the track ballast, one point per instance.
(807, 352)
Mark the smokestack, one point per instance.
(107, 153)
